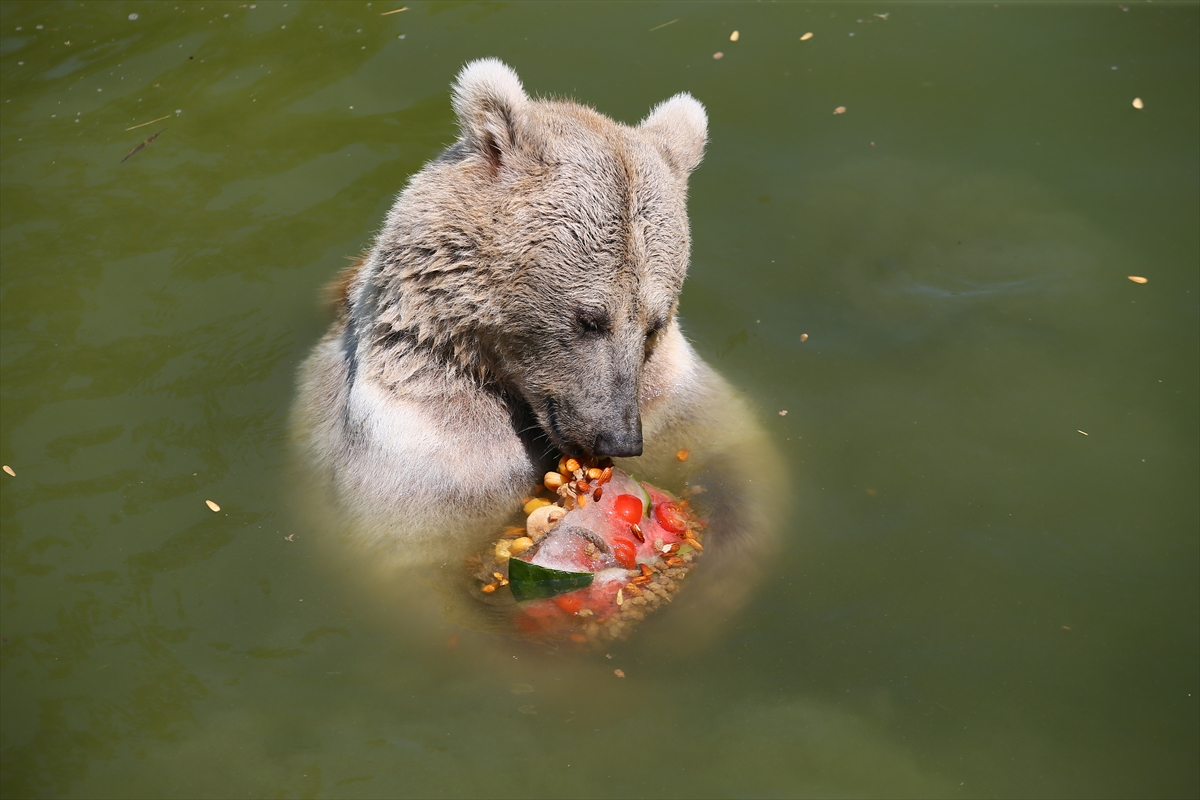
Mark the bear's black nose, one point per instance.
(620, 444)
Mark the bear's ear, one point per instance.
(679, 129)
(488, 99)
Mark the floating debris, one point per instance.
(1085, 433)
(394, 11)
(212, 506)
(804, 337)
(528, 709)
(783, 413)
(883, 16)
(806, 36)
(718, 56)
(840, 110)
(151, 122)
(521, 688)
(733, 37)
(665, 24)
(140, 146)
(1138, 279)
(10, 471)
(1138, 104)
(620, 673)
(682, 455)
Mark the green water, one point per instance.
(974, 598)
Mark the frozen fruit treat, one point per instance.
(590, 565)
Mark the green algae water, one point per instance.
(988, 585)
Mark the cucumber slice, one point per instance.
(532, 582)
(645, 495)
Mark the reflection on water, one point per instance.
(973, 596)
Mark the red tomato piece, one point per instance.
(628, 507)
(568, 602)
(625, 552)
(671, 517)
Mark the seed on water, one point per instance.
(840, 110)
(491, 587)
(718, 56)
(682, 455)
(1137, 103)
(733, 37)
(804, 337)
(806, 37)
(10, 470)
(619, 673)
(783, 413)
(212, 506)
(1138, 279)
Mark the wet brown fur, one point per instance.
(520, 300)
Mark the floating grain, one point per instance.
(1138, 279)
(10, 470)
(718, 56)
(619, 673)
(840, 110)
(212, 506)
(733, 37)
(806, 36)
(804, 337)
(1138, 104)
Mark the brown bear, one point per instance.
(520, 302)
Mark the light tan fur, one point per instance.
(520, 301)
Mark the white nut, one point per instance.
(543, 520)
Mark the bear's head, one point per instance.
(546, 249)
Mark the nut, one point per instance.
(535, 503)
(520, 545)
(572, 465)
(553, 480)
(543, 520)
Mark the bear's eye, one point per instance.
(593, 320)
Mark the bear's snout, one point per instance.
(624, 442)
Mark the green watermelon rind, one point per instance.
(532, 582)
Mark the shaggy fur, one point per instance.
(520, 301)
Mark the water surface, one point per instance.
(989, 582)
